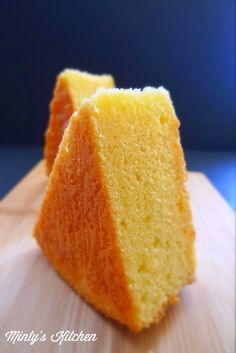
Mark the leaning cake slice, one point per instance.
(115, 221)
(71, 87)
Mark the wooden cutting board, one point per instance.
(34, 297)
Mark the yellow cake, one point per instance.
(115, 221)
(71, 87)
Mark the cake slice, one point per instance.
(71, 87)
(116, 221)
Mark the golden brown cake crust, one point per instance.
(77, 181)
(61, 107)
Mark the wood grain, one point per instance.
(34, 297)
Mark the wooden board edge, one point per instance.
(221, 198)
(21, 183)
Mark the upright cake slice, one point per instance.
(115, 221)
(71, 87)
